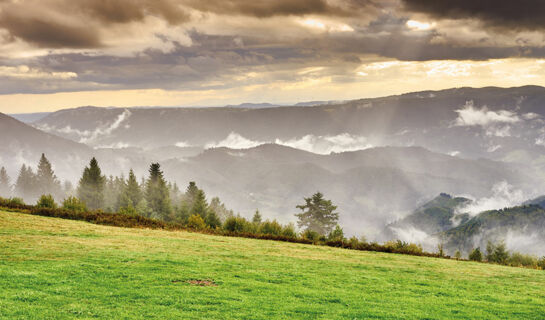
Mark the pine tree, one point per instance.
(191, 193)
(212, 219)
(318, 214)
(200, 206)
(25, 186)
(184, 211)
(476, 255)
(46, 181)
(5, 183)
(336, 235)
(157, 194)
(68, 189)
(174, 192)
(220, 209)
(131, 194)
(91, 186)
(113, 190)
(257, 217)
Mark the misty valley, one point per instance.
(455, 169)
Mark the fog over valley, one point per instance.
(379, 160)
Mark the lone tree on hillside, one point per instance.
(318, 214)
(91, 186)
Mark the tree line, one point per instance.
(155, 197)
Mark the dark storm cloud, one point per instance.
(75, 24)
(124, 11)
(273, 41)
(48, 33)
(270, 8)
(505, 14)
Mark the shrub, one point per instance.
(441, 249)
(236, 224)
(336, 234)
(496, 253)
(522, 260)
(128, 210)
(46, 201)
(476, 255)
(354, 243)
(270, 227)
(212, 219)
(196, 222)
(403, 247)
(458, 255)
(289, 231)
(74, 204)
(16, 202)
(311, 235)
(541, 263)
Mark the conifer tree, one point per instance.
(318, 214)
(257, 219)
(113, 190)
(91, 186)
(157, 194)
(131, 194)
(220, 209)
(212, 219)
(184, 211)
(200, 206)
(25, 186)
(46, 181)
(5, 183)
(174, 192)
(68, 189)
(191, 193)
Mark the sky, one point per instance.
(58, 54)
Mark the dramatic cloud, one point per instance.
(504, 14)
(288, 49)
(269, 8)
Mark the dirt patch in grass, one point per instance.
(200, 283)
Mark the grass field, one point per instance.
(60, 269)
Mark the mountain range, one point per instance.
(378, 159)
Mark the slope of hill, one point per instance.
(55, 268)
(540, 201)
(520, 227)
(21, 143)
(434, 216)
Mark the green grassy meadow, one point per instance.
(60, 269)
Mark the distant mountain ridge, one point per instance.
(431, 119)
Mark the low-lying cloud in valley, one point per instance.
(316, 144)
(470, 115)
(503, 195)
